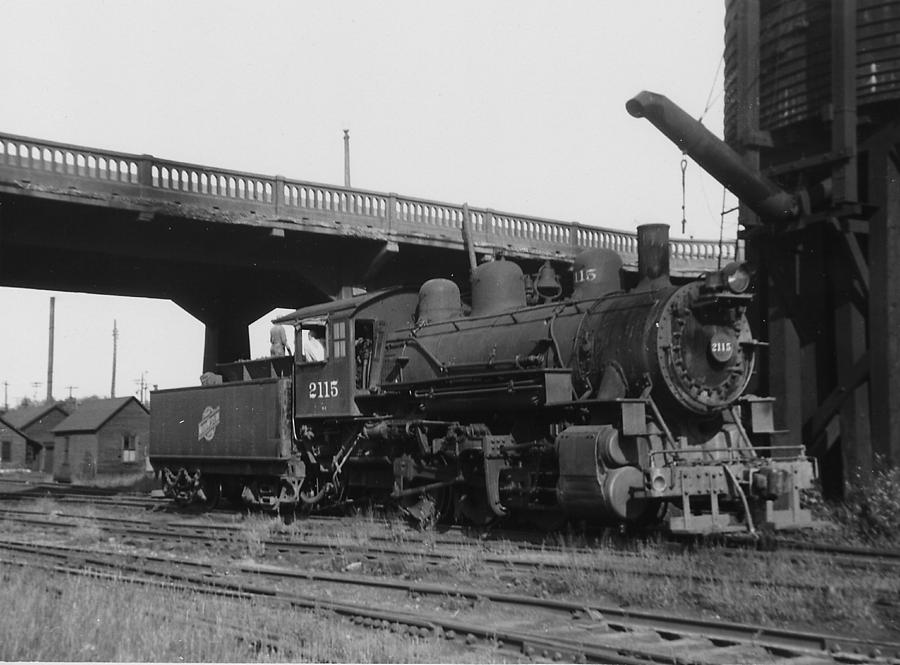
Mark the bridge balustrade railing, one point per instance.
(67, 160)
(288, 200)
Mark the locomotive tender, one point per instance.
(607, 406)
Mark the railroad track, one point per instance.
(846, 557)
(542, 563)
(547, 561)
(555, 630)
(523, 539)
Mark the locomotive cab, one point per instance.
(323, 368)
(334, 361)
(339, 346)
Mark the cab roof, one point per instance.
(348, 306)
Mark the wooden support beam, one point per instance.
(780, 373)
(884, 306)
(857, 260)
(843, 99)
(749, 138)
(829, 407)
(851, 361)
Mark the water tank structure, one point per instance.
(812, 101)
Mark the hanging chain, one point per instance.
(683, 196)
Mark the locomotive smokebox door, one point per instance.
(324, 385)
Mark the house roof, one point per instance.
(5, 422)
(91, 416)
(22, 418)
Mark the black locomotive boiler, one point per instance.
(607, 406)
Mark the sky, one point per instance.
(514, 105)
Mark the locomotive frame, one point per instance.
(608, 406)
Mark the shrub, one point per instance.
(871, 508)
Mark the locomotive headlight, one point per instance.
(737, 277)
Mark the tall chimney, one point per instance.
(346, 158)
(653, 255)
(50, 351)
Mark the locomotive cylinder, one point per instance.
(592, 484)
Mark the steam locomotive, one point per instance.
(603, 406)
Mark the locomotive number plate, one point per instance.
(323, 389)
(721, 348)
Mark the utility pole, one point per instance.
(346, 158)
(35, 385)
(6, 396)
(112, 390)
(50, 352)
(70, 389)
(142, 384)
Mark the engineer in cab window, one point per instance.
(313, 342)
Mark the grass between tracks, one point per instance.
(66, 618)
(706, 581)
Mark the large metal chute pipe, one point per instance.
(765, 198)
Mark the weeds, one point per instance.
(870, 511)
(254, 532)
(66, 618)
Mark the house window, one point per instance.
(129, 447)
(6, 451)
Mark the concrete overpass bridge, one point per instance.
(229, 246)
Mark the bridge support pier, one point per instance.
(225, 341)
(227, 319)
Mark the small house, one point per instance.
(37, 423)
(103, 437)
(14, 447)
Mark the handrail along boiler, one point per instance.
(604, 406)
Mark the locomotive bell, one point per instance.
(547, 282)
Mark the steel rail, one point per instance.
(779, 642)
(846, 557)
(195, 533)
(261, 638)
(109, 497)
(559, 649)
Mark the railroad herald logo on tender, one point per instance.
(208, 423)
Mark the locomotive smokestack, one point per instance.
(653, 255)
(715, 156)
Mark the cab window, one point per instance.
(339, 338)
(312, 342)
(364, 334)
